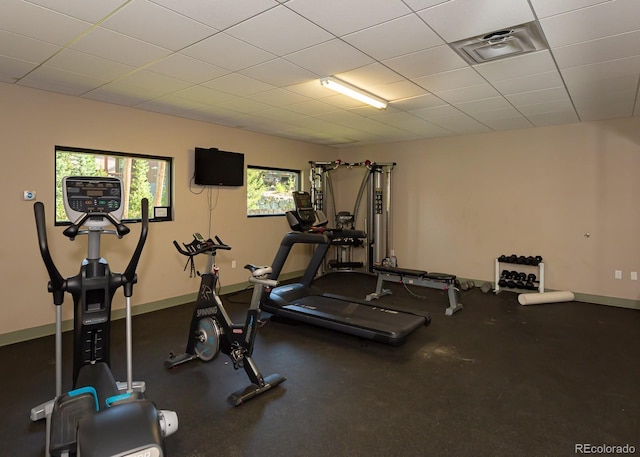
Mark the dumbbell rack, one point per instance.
(540, 268)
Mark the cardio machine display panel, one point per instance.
(92, 195)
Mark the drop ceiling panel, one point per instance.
(55, 81)
(461, 124)
(546, 8)
(140, 20)
(426, 62)
(467, 94)
(222, 15)
(586, 74)
(25, 48)
(417, 5)
(524, 65)
(238, 84)
(599, 21)
(485, 104)
(11, 70)
(86, 10)
(530, 83)
(329, 58)
(510, 123)
(279, 72)
(279, 97)
(36, 22)
(397, 37)
(119, 48)
(371, 75)
(187, 69)
(421, 101)
(266, 32)
(564, 106)
(398, 90)
(553, 118)
(88, 64)
(227, 52)
(614, 47)
(538, 96)
(204, 95)
(448, 80)
(459, 19)
(342, 17)
(148, 80)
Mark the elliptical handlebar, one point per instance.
(200, 247)
(73, 230)
(57, 282)
(130, 273)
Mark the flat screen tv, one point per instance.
(218, 168)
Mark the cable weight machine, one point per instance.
(375, 188)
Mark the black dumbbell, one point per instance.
(522, 276)
(502, 283)
(531, 277)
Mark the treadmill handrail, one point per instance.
(292, 238)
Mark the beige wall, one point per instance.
(33, 122)
(460, 202)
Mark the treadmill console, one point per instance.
(304, 217)
(92, 195)
(304, 208)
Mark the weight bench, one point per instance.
(442, 281)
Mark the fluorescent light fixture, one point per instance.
(351, 91)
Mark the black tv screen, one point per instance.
(218, 168)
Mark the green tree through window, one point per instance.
(142, 177)
(269, 190)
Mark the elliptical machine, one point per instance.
(212, 330)
(99, 417)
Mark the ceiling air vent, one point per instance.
(509, 42)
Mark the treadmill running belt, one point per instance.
(338, 314)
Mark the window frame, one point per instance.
(298, 174)
(164, 213)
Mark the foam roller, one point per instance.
(546, 297)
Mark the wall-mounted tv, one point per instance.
(218, 168)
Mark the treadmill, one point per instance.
(305, 302)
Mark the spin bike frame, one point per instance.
(212, 330)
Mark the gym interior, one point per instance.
(493, 378)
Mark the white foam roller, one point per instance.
(546, 297)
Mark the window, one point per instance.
(142, 176)
(269, 190)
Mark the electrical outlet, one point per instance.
(233, 264)
(618, 274)
(634, 275)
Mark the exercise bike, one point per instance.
(212, 330)
(99, 417)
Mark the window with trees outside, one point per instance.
(269, 190)
(142, 176)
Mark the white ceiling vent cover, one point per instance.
(509, 42)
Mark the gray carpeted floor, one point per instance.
(495, 379)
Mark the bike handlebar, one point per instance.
(200, 247)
